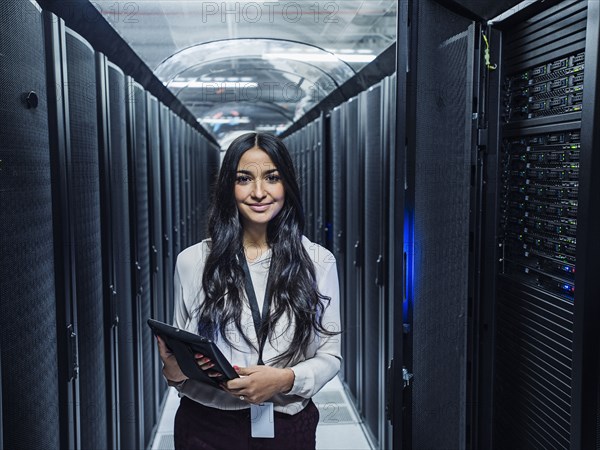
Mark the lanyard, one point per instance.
(258, 320)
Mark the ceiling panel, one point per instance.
(190, 43)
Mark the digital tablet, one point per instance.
(185, 345)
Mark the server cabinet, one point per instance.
(389, 275)
(440, 149)
(63, 224)
(336, 186)
(373, 325)
(166, 182)
(194, 186)
(311, 178)
(80, 81)
(140, 238)
(28, 291)
(108, 225)
(200, 186)
(543, 111)
(185, 194)
(176, 192)
(156, 309)
(529, 313)
(320, 171)
(122, 303)
(354, 214)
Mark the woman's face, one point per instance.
(259, 191)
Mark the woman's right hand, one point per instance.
(171, 369)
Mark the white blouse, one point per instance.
(321, 360)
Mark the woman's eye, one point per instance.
(242, 179)
(272, 178)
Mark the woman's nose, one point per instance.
(258, 190)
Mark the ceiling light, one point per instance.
(320, 57)
(214, 121)
(357, 58)
(212, 84)
(306, 57)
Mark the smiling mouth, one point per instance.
(259, 207)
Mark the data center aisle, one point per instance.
(339, 425)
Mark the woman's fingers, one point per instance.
(204, 363)
(171, 369)
(163, 350)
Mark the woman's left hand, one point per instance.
(259, 383)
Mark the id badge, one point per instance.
(261, 420)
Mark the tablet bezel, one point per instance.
(185, 345)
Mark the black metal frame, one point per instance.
(397, 163)
(354, 239)
(478, 136)
(155, 232)
(585, 408)
(135, 267)
(477, 10)
(107, 219)
(66, 310)
(167, 223)
(488, 179)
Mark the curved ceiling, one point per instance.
(246, 65)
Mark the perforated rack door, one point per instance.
(27, 286)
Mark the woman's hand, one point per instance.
(171, 369)
(259, 383)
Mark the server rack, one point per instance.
(72, 162)
(531, 349)
(121, 315)
(337, 162)
(353, 249)
(439, 144)
(138, 180)
(357, 148)
(391, 286)
(29, 292)
(175, 139)
(80, 71)
(155, 244)
(374, 203)
(545, 156)
(63, 222)
(166, 182)
(108, 254)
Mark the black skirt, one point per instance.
(199, 427)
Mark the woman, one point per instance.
(286, 346)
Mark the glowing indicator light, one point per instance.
(568, 287)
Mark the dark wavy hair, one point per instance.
(292, 273)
